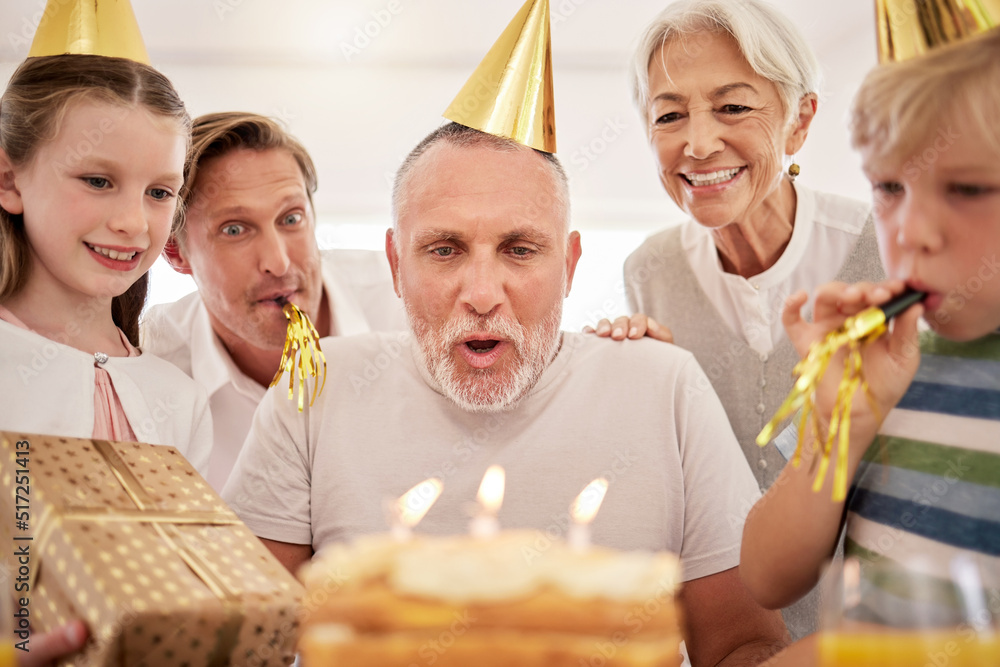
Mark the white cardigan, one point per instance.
(48, 388)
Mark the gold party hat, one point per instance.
(91, 27)
(910, 28)
(510, 93)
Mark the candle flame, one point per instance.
(589, 501)
(490, 494)
(415, 503)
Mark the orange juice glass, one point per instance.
(892, 648)
(7, 657)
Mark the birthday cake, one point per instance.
(515, 599)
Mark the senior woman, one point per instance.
(727, 90)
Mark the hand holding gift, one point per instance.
(55, 644)
(130, 539)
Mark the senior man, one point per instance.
(482, 257)
(249, 242)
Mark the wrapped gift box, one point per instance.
(129, 538)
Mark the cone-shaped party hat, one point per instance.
(909, 28)
(92, 27)
(510, 94)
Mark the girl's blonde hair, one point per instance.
(953, 90)
(31, 111)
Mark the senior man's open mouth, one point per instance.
(482, 352)
(481, 346)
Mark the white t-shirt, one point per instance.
(359, 287)
(640, 413)
(827, 228)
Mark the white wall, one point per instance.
(359, 120)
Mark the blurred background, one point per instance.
(360, 82)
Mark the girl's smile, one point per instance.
(98, 201)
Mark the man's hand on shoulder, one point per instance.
(633, 328)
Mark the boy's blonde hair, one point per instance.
(901, 107)
(31, 110)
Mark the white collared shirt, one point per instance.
(827, 228)
(358, 285)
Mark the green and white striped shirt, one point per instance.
(927, 495)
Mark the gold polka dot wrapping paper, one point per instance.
(130, 539)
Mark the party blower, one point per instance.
(301, 357)
(855, 333)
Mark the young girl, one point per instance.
(925, 497)
(92, 154)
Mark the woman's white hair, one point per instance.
(772, 45)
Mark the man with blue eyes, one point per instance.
(249, 242)
(482, 257)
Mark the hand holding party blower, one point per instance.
(856, 331)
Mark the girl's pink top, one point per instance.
(110, 422)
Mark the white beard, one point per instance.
(487, 390)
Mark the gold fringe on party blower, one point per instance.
(856, 332)
(301, 341)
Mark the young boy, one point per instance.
(926, 494)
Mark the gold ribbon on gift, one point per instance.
(856, 332)
(164, 522)
(301, 343)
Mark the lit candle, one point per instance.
(490, 497)
(583, 510)
(410, 508)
